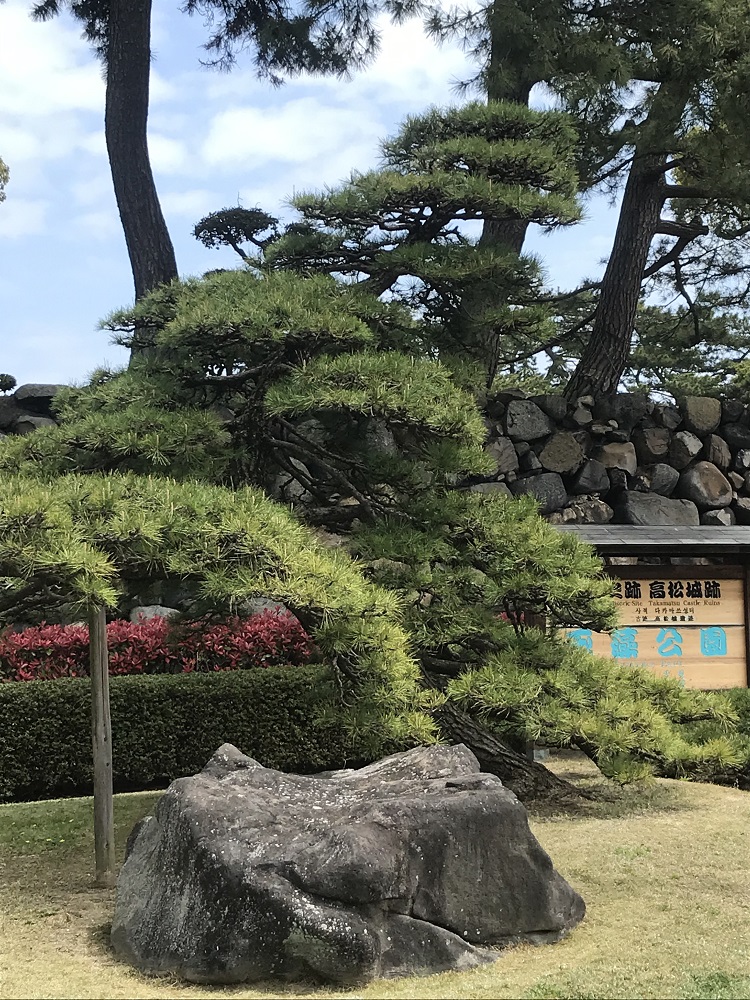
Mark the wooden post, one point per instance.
(101, 738)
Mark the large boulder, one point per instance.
(650, 508)
(35, 397)
(618, 455)
(702, 414)
(705, 486)
(561, 453)
(548, 489)
(592, 478)
(525, 421)
(503, 453)
(685, 447)
(651, 444)
(415, 864)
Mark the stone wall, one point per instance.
(27, 409)
(623, 459)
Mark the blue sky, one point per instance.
(213, 138)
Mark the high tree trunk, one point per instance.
(606, 354)
(150, 249)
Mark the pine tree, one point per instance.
(311, 392)
(4, 178)
(406, 229)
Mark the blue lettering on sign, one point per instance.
(713, 641)
(624, 643)
(582, 637)
(669, 642)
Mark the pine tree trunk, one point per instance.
(152, 257)
(526, 778)
(510, 77)
(606, 354)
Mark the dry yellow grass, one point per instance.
(666, 876)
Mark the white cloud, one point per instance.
(293, 133)
(21, 217)
(193, 204)
(45, 68)
(168, 156)
(98, 225)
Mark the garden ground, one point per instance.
(665, 871)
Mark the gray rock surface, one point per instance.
(497, 489)
(27, 423)
(503, 454)
(592, 478)
(716, 451)
(723, 518)
(618, 455)
(663, 479)
(684, 448)
(736, 436)
(705, 486)
(651, 444)
(547, 488)
(554, 406)
(525, 421)
(649, 508)
(561, 453)
(701, 414)
(627, 408)
(667, 416)
(37, 397)
(145, 612)
(412, 865)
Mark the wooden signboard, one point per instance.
(679, 621)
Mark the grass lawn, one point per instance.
(665, 871)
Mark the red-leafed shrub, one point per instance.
(47, 652)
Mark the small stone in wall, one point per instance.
(581, 416)
(716, 451)
(495, 489)
(732, 411)
(562, 453)
(651, 509)
(736, 436)
(144, 613)
(554, 406)
(684, 448)
(663, 479)
(618, 455)
(524, 421)
(590, 511)
(503, 454)
(37, 398)
(547, 488)
(737, 480)
(592, 478)
(651, 444)
(701, 414)
(741, 508)
(723, 518)
(666, 415)
(742, 461)
(705, 485)
(28, 423)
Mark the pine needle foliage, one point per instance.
(82, 538)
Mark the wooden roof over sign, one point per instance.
(630, 539)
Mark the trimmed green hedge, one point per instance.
(165, 727)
